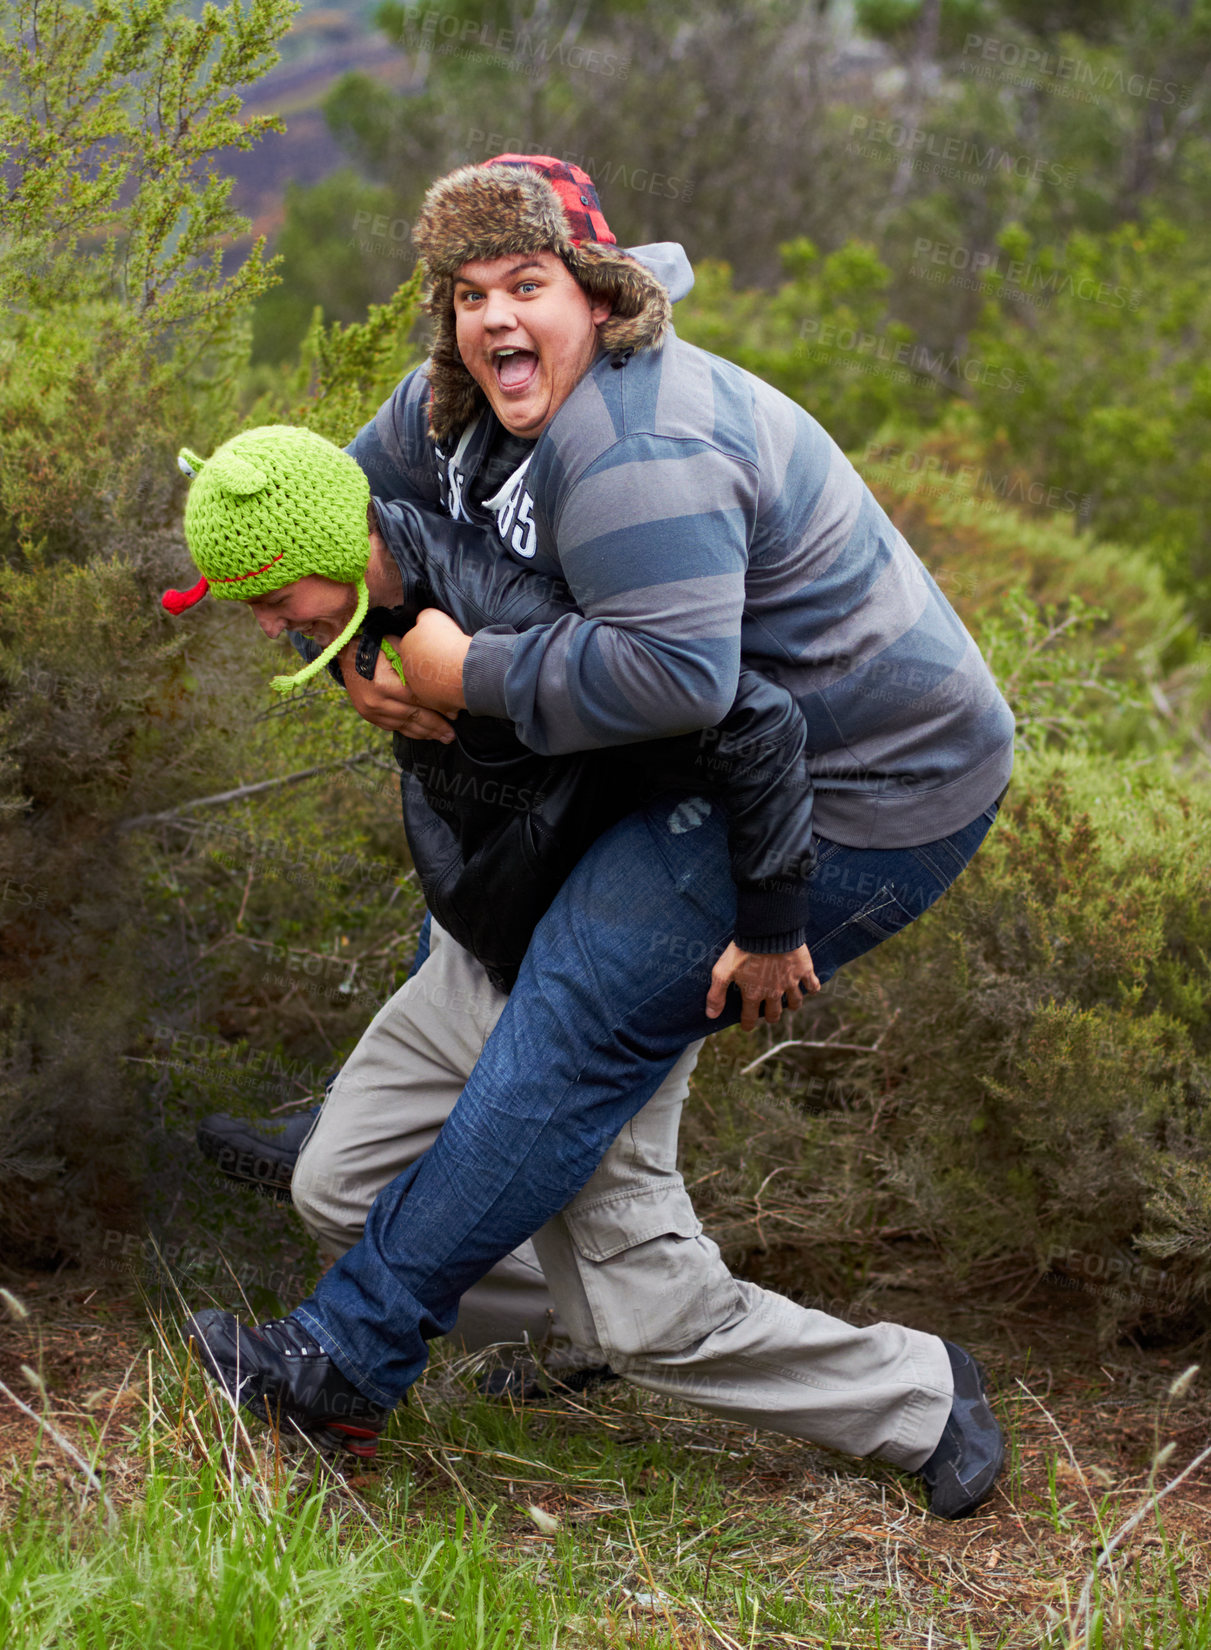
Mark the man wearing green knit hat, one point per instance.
(279, 518)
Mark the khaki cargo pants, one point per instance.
(624, 1270)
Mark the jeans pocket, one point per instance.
(647, 1275)
(877, 920)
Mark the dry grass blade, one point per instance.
(181, 1360)
(1081, 1642)
(1076, 1465)
(72, 1453)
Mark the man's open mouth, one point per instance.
(514, 368)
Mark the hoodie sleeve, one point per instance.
(653, 541)
(394, 448)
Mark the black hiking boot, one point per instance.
(962, 1471)
(260, 1151)
(520, 1385)
(280, 1374)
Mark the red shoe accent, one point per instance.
(366, 1446)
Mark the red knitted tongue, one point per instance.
(176, 601)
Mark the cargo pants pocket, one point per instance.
(653, 1283)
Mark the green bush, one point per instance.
(120, 321)
(128, 339)
(1117, 404)
(1087, 636)
(1037, 1090)
(825, 337)
(98, 720)
(1076, 1048)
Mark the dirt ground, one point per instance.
(1084, 1431)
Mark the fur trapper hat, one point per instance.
(524, 203)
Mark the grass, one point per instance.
(614, 1520)
(203, 1562)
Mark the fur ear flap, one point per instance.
(641, 304)
(455, 399)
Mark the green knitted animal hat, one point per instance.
(270, 506)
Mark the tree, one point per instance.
(113, 219)
(122, 337)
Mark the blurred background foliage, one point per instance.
(968, 236)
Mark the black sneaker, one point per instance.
(962, 1471)
(259, 1151)
(513, 1384)
(280, 1374)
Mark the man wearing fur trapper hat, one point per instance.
(697, 516)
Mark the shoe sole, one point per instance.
(359, 1441)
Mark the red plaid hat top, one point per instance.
(577, 196)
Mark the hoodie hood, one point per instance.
(669, 264)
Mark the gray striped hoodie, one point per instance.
(699, 517)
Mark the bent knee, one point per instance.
(328, 1204)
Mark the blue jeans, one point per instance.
(612, 990)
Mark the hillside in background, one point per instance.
(324, 43)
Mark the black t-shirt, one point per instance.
(504, 456)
